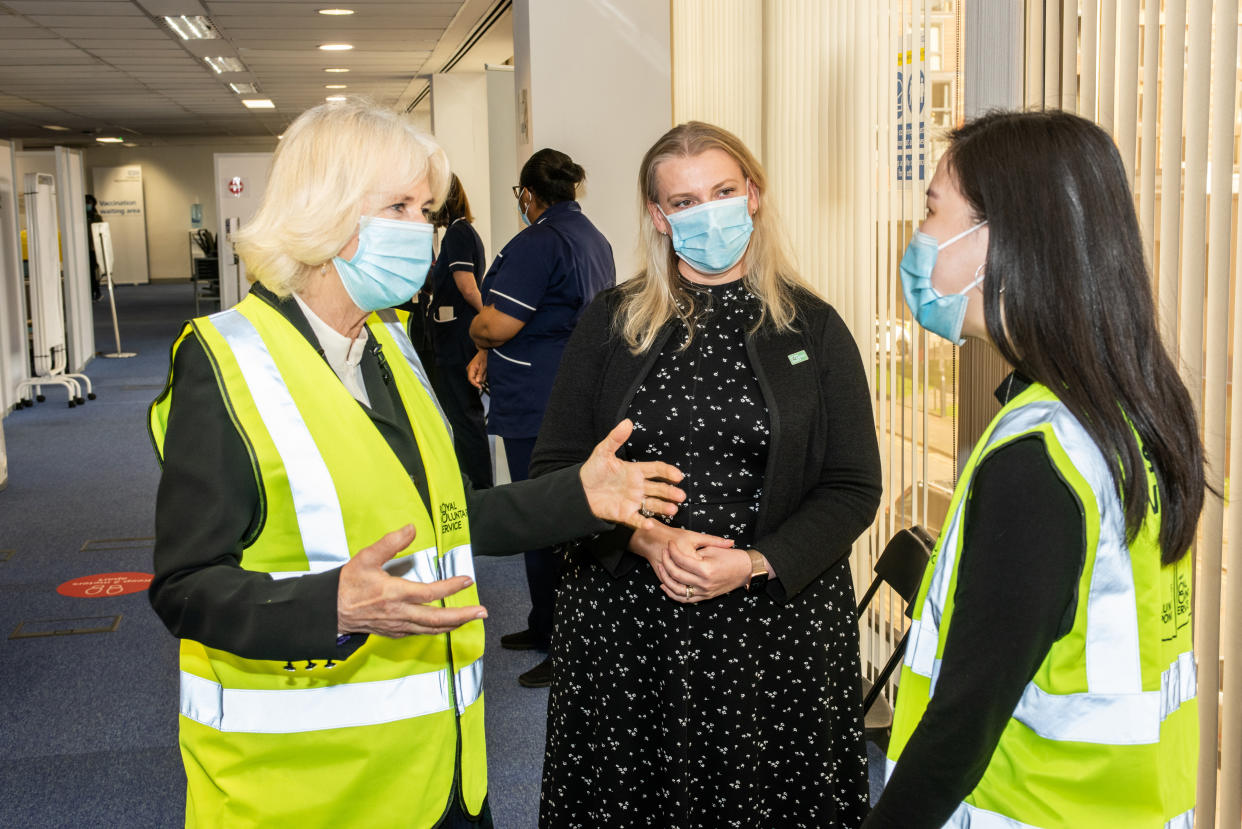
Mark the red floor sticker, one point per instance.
(105, 584)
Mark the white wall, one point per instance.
(594, 80)
(174, 177)
(459, 123)
(502, 143)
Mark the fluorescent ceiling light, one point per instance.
(222, 64)
(259, 103)
(336, 47)
(335, 98)
(192, 27)
(110, 140)
(336, 12)
(325, 86)
(244, 88)
(55, 128)
(337, 69)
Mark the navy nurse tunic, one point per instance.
(545, 276)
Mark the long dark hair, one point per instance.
(551, 176)
(1068, 301)
(456, 205)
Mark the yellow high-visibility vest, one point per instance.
(389, 735)
(1106, 734)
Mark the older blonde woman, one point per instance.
(313, 530)
(706, 670)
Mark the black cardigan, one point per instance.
(822, 483)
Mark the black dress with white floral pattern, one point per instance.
(735, 712)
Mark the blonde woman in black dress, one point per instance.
(707, 671)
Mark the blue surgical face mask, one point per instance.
(711, 237)
(933, 310)
(391, 263)
(522, 213)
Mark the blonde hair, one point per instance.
(657, 295)
(330, 161)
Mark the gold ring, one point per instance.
(689, 592)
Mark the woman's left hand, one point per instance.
(628, 493)
(698, 574)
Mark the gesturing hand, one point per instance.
(369, 600)
(618, 491)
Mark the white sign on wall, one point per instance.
(118, 193)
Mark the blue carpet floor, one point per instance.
(88, 736)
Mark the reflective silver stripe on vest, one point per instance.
(393, 323)
(1115, 709)
(458, 561)
(1186, 820)
(315, 505)
(334, 706)
(469, 684)
(972, 817)
(313, 709)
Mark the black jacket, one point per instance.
(208, 505)
(822, 483)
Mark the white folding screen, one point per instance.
(75, 260)
(14, 353)
(1164, 79)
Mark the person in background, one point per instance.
(455, 300)
(1050, 679)
(533, 295)
(313, 531)
(92, 217)
(706, 671)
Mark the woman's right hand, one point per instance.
(476, 372)
(651, 542)
(370, 600)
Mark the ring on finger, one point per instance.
(642, 508)
(689, 592)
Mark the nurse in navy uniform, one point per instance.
(533, 295)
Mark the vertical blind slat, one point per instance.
(1127, 84)
(1169, 243)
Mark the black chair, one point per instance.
(901, 567)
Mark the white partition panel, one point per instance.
(46, 305)
(122, 203)
(75, 259)
(14, 351)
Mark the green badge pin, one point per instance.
(798, 357)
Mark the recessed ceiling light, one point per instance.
(221, 64)
(325, 86)
(244, 88)
(259, 103)
(192, 27)
(335, 98)
(336, 11)
(129, 144)
(336, 47)
(337, 69)
(110, 140)
(55, 128)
